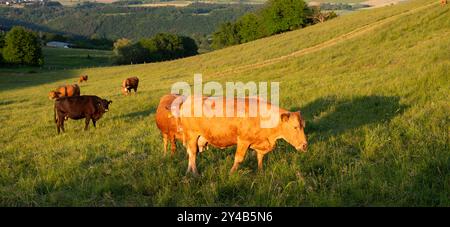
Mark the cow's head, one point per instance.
(293, 130)
(125, 90)
(54, 95)
(104, 105)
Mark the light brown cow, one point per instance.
(83, 78)
(130, 83)
(169, 125)
(63, 91)
(244, 131)
(443, 2)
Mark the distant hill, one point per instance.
(116, 21)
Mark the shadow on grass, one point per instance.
(136, 115)
(17, 80)
(331, 116)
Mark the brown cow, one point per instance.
(168, 124)
(128, 84)
(83, 78)
(244, 131)
(443, 2)
(79, 107)
(63, 91)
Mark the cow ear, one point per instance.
(285, 116)
(109, 102)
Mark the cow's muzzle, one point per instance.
(303, 147)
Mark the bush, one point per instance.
(227, 35)
(22, 47)
(275, 17)
(132, 54)
(283, 15)
(251, 28)
(161, 47)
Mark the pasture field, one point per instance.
(373, 86)
(64, 59)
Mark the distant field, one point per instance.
(62, 58)
(372, 85)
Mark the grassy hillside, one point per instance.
(373, 86)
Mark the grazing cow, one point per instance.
(63, 91)
(245, 130)
(443, 2)
(83, 78)
(128, 84)
(79, 107)
(169, 124)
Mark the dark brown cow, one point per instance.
(169, 124)
(79, 107)
(130, 83)
(63, 91)
(245, 131)
(83, 78)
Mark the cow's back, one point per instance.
(69, 90)
(76, 106)
(225, 131)
(131, 82)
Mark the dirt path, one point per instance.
(331, 42)
(381, 3)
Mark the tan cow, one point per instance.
(169, 125)
(244, 131)
(443, 2)
(63, 91)
(83, 78)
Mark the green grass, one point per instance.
(376, 106)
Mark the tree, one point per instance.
(284, 15)
(132, 54)
(227, 35)
(120, 43)
(22, 47)
(250, 28)
(2, 44)
(161, 47)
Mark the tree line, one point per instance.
(161, 47)
(20, 46)
(275, 17)
(114, 21)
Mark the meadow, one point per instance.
(373, 86)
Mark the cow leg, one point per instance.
(58, 125)
(62, 125)
(260, 157)
(241, 149)
(173, 145)
(192, 152)
(93, 122)
(165, 143)
(86, 127)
